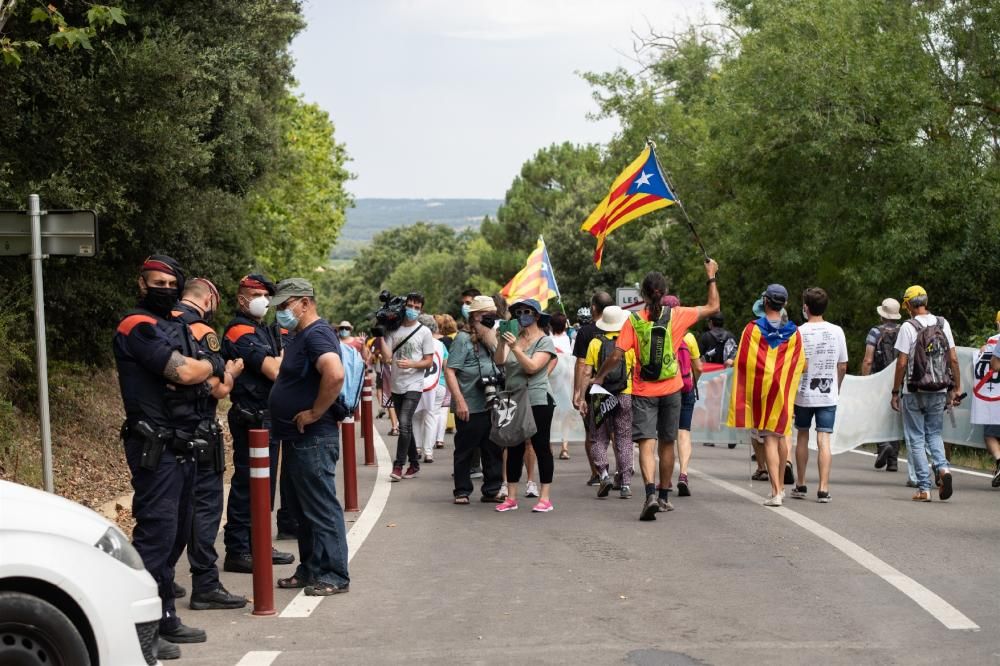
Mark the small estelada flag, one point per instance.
(638, 190)
(536, 280)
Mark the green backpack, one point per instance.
(657, 360)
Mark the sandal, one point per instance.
(564, 455)
(292, 582)
(394, 432)
(326, 590)
(438, 445)
(759, 475)
(461, 499)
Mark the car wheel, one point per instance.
(34, 632)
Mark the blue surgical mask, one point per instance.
(412, 314)
(465, 311)
(344, 333)
(526, 320)
(287, 319)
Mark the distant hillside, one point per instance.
(370, 216)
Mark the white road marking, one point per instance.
(953, 469)
(940, 609)
(303, 606)
(258, 658)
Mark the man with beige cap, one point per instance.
(880, 353)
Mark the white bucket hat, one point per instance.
(612, 319)
(889, 309)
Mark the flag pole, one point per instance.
(687, 218)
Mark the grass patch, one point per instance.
(969, 457)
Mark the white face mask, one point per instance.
(257, 307)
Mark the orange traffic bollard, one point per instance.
(350, 456)
(260, 522)
(367, 423)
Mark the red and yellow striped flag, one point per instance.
(536, 280)
(765, 380)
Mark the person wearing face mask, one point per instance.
(258, 345)
(470, 368)
(525, 359)
(196, 308)
(161, 375)
(410, 350)
(467, 297)
(304, 416)
(345, 331)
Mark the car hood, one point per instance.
(25, 509)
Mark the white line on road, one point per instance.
(953, 469)
(940, 609)
(258, 658)
(303, 606)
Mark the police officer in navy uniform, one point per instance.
(159, 371)
(198, 304)
(259, 346)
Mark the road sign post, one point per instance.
(72, 232)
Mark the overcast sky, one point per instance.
(448, 98)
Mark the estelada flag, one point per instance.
(766, 374)
(638, 190)
(536, 280)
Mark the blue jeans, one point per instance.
(923, 419)
(311, 466)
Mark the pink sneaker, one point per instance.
(509, 504)
(543, 506)
(397, 473)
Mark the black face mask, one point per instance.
(160, 300)
(488, 321)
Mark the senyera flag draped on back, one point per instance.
(536, 280)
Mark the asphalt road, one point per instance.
(870, 578)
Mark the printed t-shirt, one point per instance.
(825, 346)
(594, 352)
(681, 319)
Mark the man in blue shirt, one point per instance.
(304, 418)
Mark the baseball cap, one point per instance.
(345, 324)
(916, 291)
(777, 294)
(291, 288)
(482, 304)
(889, 309)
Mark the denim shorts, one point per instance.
(687, 410)
(825, 416)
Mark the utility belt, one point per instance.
(204, 445)
(250, 418)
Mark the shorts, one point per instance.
(992, 430)
(687, 410)
(825, 416)
(656, 417)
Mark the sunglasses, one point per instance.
(518, 313)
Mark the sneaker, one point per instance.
(219, 598)
(278, 557)
(543, 506)
(605, 486)
(503, 491)
(800, 492)
(411, 472)
(664, 504)
(773, 500)
(428, 458)
(650, 508)
(594, 480)
(616, 483)
(184, 634)
(945, 490)
(531, 489)
(397, 473)
(922, 496)
(682, 486)
(883, 455)
(509, 504)
(625, 492)
(823, 496)
(439, 445)
(759, 475)
(996, 476)
(892, 467)
(789, 474)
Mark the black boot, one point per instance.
(882, 457)
(184, 634)
(179, 592)
(167, 650)
(238, 563)
(219, 598)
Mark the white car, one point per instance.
(73, 590)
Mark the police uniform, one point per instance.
(159, 433)
(208, 483)
(252, 341)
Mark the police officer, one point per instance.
(159, 371)
(198, 303)
(259, 346)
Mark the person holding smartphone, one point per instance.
(526, 357)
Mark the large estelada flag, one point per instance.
(638, 190)
(536, 280)
(766, 374)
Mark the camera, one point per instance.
(491, 385)
(390, 314)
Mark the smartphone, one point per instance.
(509, 326)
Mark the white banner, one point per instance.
(567, 426)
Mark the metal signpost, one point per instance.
(66, 232)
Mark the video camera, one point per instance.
(390, 314)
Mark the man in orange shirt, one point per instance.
(656, 395)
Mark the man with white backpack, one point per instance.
(928, 362)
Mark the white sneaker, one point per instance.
(773, 500)
(531, 490)
(503, 491)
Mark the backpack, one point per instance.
(885, 347)
(354, 378)
(928, 364)
(615, 381)
(684, 364)
(723, 347)
(656, 347)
